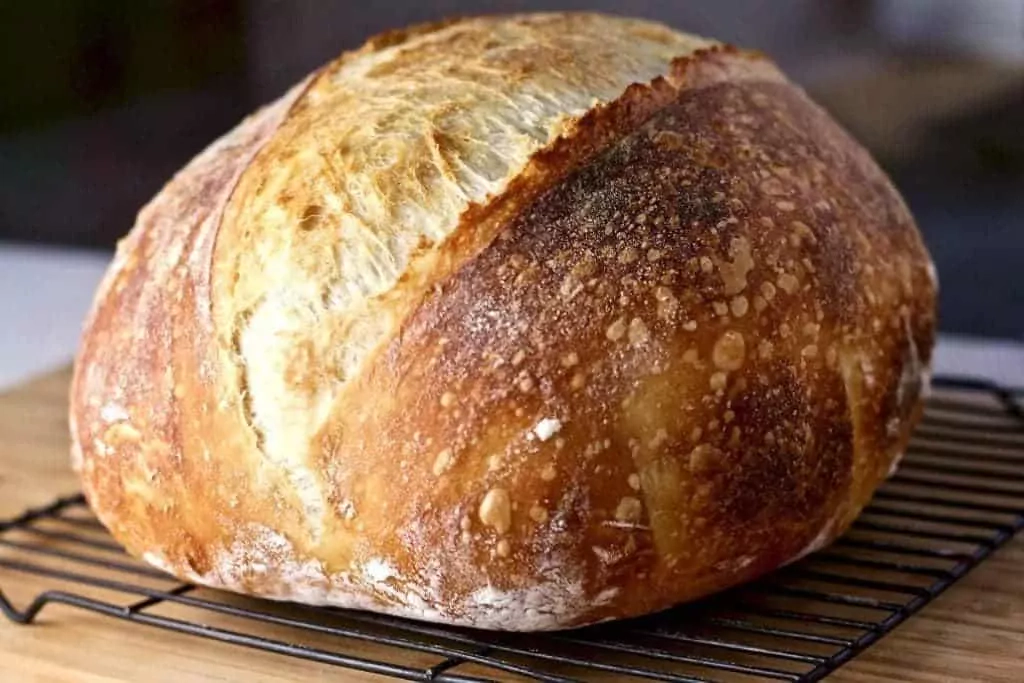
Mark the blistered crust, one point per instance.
(679, 347)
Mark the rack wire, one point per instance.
(957, 497)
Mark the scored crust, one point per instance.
(667, 339)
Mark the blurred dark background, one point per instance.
(102, 100)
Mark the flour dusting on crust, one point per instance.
(261, 557)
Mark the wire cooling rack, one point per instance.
(958, 496)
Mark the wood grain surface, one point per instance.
(973, 632)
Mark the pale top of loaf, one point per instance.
(375, 164)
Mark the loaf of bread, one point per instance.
(518, 323)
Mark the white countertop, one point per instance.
(45, 293)
(44, 296)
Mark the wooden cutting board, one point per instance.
(973, 632)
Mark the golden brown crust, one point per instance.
(681, 347)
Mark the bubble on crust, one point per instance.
(704, 458)
(729, 351)
(503, 548)
(616, 330)
(739, 306)
(586, 267)
(659, 438)
(571, 286)
(634, 481)
(667, 302)
(496, 510)
(578, 381)
(538, 514)
(442, 462)
(734, 273)
(547, 427)
(638, 332)
(570, 359)
(548, 472)
(718, 381)
(788, 282)
(734, 436)
(772, 186)
(628, 255)
(121, 433)
(629, 510)
(447, 399)
(802, 232)
(690, 325)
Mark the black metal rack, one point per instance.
(958, 496)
